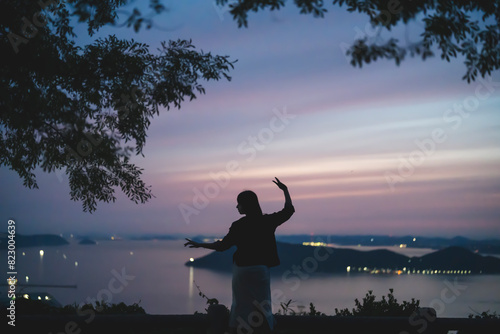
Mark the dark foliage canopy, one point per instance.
(86, 109)
(469, 29)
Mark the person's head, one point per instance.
(248, 203)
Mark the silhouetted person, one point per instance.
(253, 236)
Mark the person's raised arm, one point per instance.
(282, 186)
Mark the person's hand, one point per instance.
(280, 184)
(191, 244)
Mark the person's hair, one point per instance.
(250, 203)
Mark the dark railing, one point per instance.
(203, 323)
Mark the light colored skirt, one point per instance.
(251, 307)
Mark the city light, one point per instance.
(408, 271)
(315, 244)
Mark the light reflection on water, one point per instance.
(153, 274)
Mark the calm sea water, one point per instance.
(153, 274)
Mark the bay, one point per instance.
(153, 274)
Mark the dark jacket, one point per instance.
(254, 238)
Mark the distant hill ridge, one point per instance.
(485, 246)
(321, 259)
(33, 240)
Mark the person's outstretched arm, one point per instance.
(282, 186)
(208, 245)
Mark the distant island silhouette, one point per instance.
(87, 241)
(320, 259)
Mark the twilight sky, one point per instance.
(408, 150)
